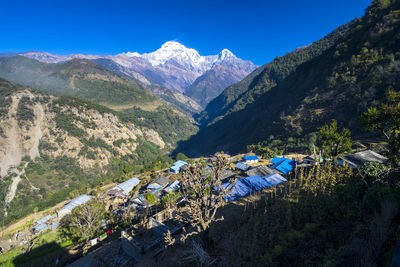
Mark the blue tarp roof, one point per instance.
(246, 186)
(242, 166)
(274, 179)
(251, 157)
(127, 186)
(283, 165)
(77, 201)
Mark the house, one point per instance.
(128, 185)
(158, 183)
(283, 165)
(122, 190)
(176, 167)
(260, 171)
(44, 219)
(358, 159)
(39, 228)
(313, 159)
(141, 200)
(242, 166)
(251, 159)
(82, 199)
(172, 187)
(42, 224)
(246, 186)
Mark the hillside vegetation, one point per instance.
(237, 96)
(337, 83)
(77, 77)
(66, 146)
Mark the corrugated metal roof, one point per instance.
(43, 220)
(358, 159)
(242, 166)
(260, 171)
(77, 202)
(158, 183)
(175, 168)
(274, 179)
(175, 185)
(180, 163)
(41, 227)
(127, 186)
(54, 225)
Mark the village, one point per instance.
(146, 237)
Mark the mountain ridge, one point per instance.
(173, 66)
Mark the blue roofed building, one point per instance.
(177, 166)
(251, 159)
(284, 165)
(246, 186)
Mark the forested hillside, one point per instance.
(338, 83)
(237, 96)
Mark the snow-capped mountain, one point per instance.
(173, 65)
(189, 58)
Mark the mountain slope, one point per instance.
(173, 65)
(53, 146)
(338, 84)
(238, 95)
(174, 97)
(228, 71)
(77, 77)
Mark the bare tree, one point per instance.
(205, 193)
(168, 239)
(84, 221)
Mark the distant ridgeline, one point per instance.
(81, 145)
(337, 77)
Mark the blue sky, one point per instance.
(252, 29)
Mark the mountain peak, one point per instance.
(173, 45)
(225, 53)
